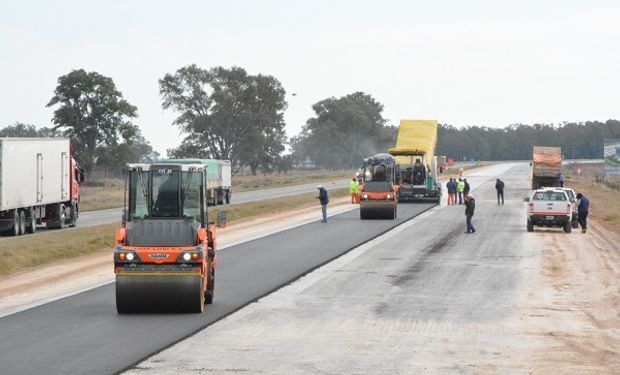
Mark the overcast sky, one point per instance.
(491, 63)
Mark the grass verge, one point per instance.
(27, 252)
(604, 201)
(17, 254)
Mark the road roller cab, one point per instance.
(165, 252)
(379, 189)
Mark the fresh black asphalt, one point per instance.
(83, 334)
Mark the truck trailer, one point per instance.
(219, 178)
(415, 153)
(165, 252)
(546, 167)
(39, 184)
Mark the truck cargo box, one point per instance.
(34, 172)
(547, 161)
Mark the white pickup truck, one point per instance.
(549, 207)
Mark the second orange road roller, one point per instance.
(379, 188)
(165, 253)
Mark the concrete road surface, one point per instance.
(423, 298)
(83, 334)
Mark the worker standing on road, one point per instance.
(460, 186)
(470, 206)
(582, 211)
(561, 180)
(451, 187)
(466, 189)
(324, 199)
(354, 190)
(499, 186)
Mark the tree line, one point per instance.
(226, 113)
(578, 140)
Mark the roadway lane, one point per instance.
(83, 334)
(110, 216)
(424, 298)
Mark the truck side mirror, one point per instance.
(124, 215)
(526, 199)
(81, 176)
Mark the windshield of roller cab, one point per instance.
(164, 193)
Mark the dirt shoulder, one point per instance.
(571, 315)
(63, 278)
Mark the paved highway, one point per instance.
(423, 298)
(83, 334)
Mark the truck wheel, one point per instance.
(227, 196)
(530, 226)
(14, 229)
(22, 222)
(568, 227)
(210, 292)
(61, 217)
(32, 221)
(220, 197)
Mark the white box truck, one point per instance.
(39, 184)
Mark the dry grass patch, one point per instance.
(604, 201)
(17, 254)
(246, 183)
(102, 194)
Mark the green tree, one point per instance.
(21, 130)
(92, 112)
(227, 114)
(344, 131)
(133, 148)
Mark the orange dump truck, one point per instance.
(165, 252)
(546, 167)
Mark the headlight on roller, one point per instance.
(389, 196)
(129, 256)
(364, 196)
(187, 257)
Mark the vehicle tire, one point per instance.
(220, 197)
(14, 228)
(31, 226)
(61, 217)
(530, 226)
(568, 227)
(228, 196)
(210, 292)
(22, 222)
